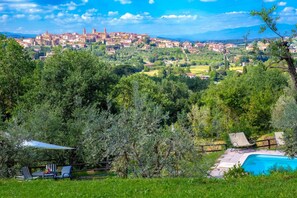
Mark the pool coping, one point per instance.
(261, 152)
(233, 157)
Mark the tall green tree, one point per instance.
(243, 102)
(73, 79)
(16, 69)
(138, 142)
(284, 115)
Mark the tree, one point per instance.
(16, 69)
(285, 111)
(278, 48)
(138, 142)
(244, 102)
(7, 156)
(284, 115)
(72, 79)
(123, 92)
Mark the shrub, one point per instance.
(235, 172)
(280, 169)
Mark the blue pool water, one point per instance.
(262, 164)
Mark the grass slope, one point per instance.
(264, 186)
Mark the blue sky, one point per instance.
(154, 17)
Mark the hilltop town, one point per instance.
(116, 40)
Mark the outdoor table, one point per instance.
(43, 175)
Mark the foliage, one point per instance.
(278, 48)
(199, 118)
(242, 102)
(72, 79)
(7, 155)
(138, 143)
(235, 172)
(171, 93)
(16, 69)
(284, 115)
(123, 91)
(95, 125)
(280, 169)
(125, 70)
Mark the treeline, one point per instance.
(147, 126)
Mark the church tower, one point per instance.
(84, 31)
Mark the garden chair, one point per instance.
(65, 173)
(239, 140)
(26, 173)
(279, 138)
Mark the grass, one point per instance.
(279, 185)
(152, 72)
(201, 69)
(236, 68)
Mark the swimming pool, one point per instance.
(258, 164)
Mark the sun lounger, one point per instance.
(239, 140)
(26, 173)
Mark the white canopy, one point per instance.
(42, 145)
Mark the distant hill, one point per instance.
(232, 35)
(18, 35)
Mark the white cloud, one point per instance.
(124, 1)
(269, 0)
(129, 16)
(34, 17)
(93, 10)
(71, 5)
(151, 1)
(237, 12)
(282, 3)
(68, 19)
(113, 13)
(60, 14)
(13, 1)
(24, 7)
(3, 18)
(1, 8)
(34, 10)
(85, 1)
(208, 0)
(289, 10)
(172, 16)
(288, 15)
(52, 16)
(89, 15)
(18, 16)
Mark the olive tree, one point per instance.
(285, 110)
(279, 49)
(138, 142)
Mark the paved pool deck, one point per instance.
(233, 157)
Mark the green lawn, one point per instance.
(152, 72)
(272, 186)
(201, 69)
